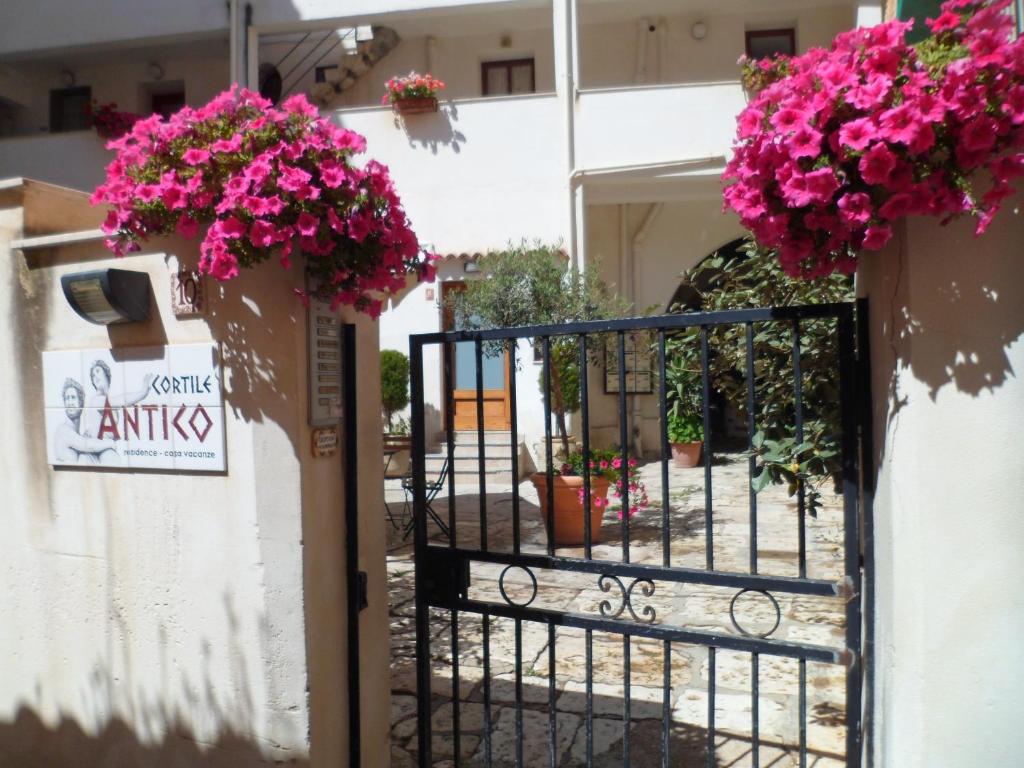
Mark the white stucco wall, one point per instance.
(608, 49)
(947, 343)
(473, 177)
(164, 619)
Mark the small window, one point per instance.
(764, 43)
(505, 77)
(166, 104)
(69, 109)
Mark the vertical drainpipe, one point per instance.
(233, 38)
(569, 65)
(239, 43)
(640, 65)
(431, 52)
(661, 50)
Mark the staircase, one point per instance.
(497, 458)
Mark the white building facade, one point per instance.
(603, 126)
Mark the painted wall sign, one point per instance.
(144, 408)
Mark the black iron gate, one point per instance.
(497, 535)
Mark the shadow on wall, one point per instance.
(254, 341)
(962, 312)
(130, 722)
(433, 130)
(28, 742)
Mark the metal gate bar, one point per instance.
(442, 572)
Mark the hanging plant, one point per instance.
(839, 144)
(109, 121)
(266, 183)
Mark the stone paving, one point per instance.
(803, 619)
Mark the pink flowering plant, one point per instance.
(607, 463)
(757, 74)
(412, 86)
(841, 143)
(265, 182)
(109, 121)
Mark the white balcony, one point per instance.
(477, 173)
(75, 160)
(655, 124)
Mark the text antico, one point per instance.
(156, 422)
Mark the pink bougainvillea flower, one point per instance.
(877, 164)
(876, 237)
(857, 134)
(854, 208)
(307, 224)
(195, 156)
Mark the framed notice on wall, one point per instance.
(639, 376)
(141, 408)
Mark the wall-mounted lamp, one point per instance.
(108, 296)
(699, 30)
(67, 77)
(156, 72)
(471, 267)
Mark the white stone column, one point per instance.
(947, 348)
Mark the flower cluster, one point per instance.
(844, 142)
(109, 122)
(267, 182)
(411, 86)
(608, 464)
(758, 74)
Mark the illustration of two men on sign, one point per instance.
(82, 438)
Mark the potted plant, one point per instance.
(686, 436)
(109, 122)
(606, 473)
(413, 93)
(685, 423)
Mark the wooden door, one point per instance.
(495, 393)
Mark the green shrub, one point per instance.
(394, 383)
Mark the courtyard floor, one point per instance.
(803, 619)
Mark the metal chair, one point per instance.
(433, 487)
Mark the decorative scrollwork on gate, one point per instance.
(501, 586)
(771, 599)
(647, 613)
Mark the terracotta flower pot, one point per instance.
(568, 523)
(686, 454)
(415, 105)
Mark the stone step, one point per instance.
(434, 462)
(471, 437)
(467, 471)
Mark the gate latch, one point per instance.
(445, 577)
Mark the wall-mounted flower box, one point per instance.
(413, 94)
(415, 105)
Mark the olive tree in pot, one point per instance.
(534, 284)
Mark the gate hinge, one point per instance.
(445, 577)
